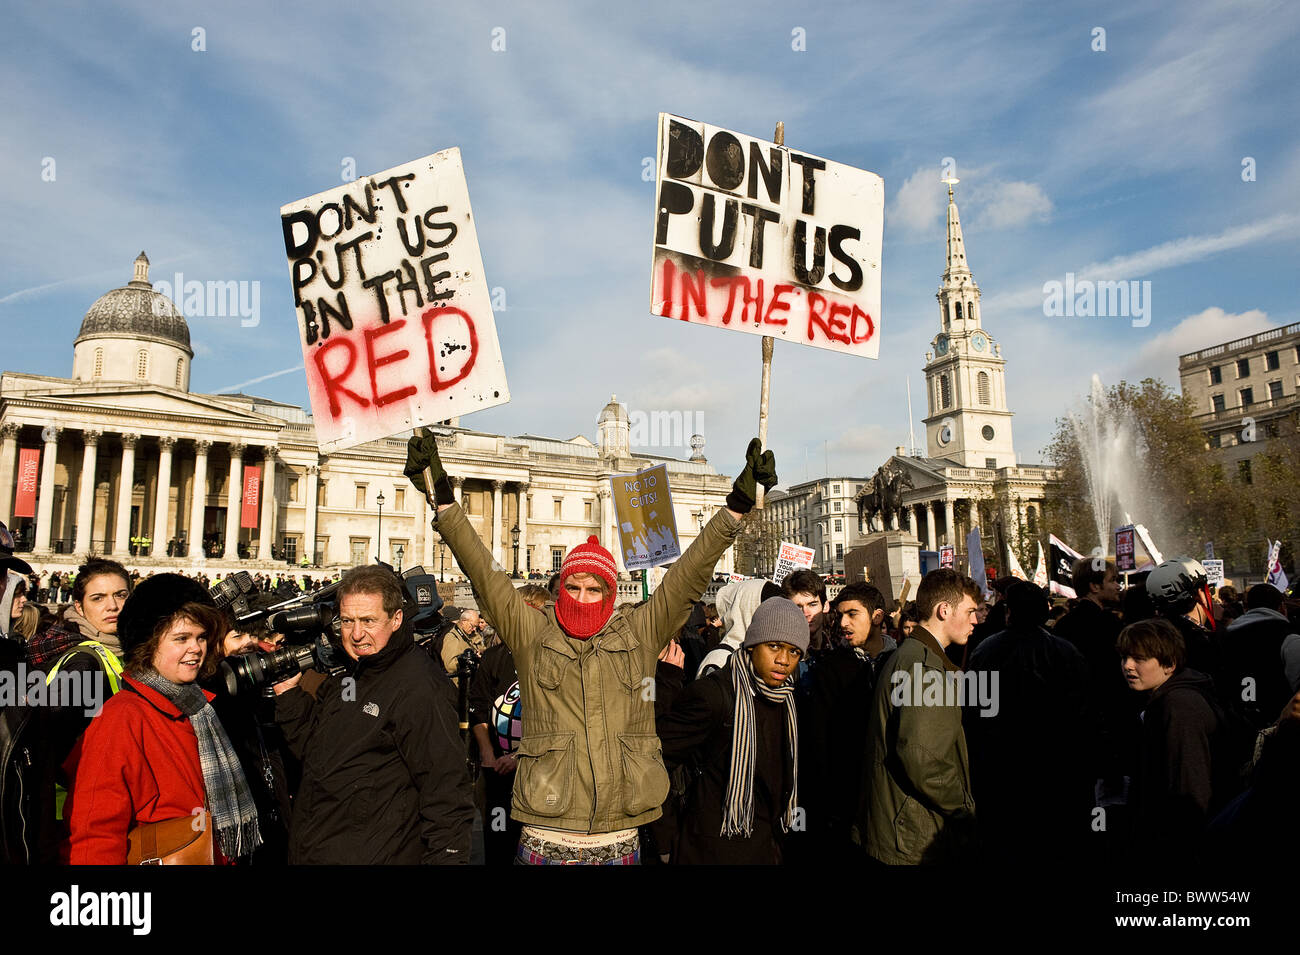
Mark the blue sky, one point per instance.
(1125, 164)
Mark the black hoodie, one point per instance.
(1182, 727)
(384, 775)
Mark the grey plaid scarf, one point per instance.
(234, 814)
(738, 805)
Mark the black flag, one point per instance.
(1059, 565)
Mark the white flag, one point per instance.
(1013, 565)
(1040, 572)
(1276, 575)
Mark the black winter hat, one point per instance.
(153, 600)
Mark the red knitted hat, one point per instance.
(591, 558)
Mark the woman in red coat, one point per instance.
(157, 751)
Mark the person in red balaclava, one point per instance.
(590, 767)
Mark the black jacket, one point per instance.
(697, 732)
(384, 773)
(1253, 648)
(1182, 731)
(495, 675)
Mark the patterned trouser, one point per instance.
(534, 851)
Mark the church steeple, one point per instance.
(969, 421)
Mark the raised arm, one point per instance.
(670, 606)
(513, 617)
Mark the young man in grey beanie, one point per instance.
(735, 731)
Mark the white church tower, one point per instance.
(964, 372)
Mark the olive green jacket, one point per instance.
(590, 760)
(917, 806)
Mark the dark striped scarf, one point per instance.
(234, 814)
(738, 804)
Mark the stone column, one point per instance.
(523, 528)
(604, 494)
(456, 484)
(8, 452)
(86, 492)
(266, 530)
(972, 515)
(931, 523)
(949, 532)
(234, 501)
(198, 499)
(496, 521)
(309, 535)
(911, 519)
(125, 485)
(163, 495)
(45, 506)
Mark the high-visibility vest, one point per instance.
(112, 665)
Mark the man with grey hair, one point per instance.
(465, 634)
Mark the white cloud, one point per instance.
(1013, 204)
(918, 204)
(1214, 326)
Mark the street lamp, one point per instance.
(379, 542)
(442, 553)
(514, 541)
(400, 552)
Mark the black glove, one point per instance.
(760, 467)
(424, 465)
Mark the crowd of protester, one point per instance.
(769, 726)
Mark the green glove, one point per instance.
(760, 468)
(424, 468)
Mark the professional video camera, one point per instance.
(310, 626)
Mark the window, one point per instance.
(586, 511)
(1271, 362)
(557, 558)
(400, 503)
(1243, 471)
(99, 362)
(835, 489)
(358, 548)
(839, 526)
(1031, 519)
(360, 501)
(291, 550)
(839, 506)
(1216, 440)
(557, 502)
(983, 387)
(1216, 374)
(142, 364)
(1275, 390)
(1271, 429)
(991, 463)
(945, 392)
(1217, 402)
(839, 551)
(1243, 367)
(406, 552)
(180, 372)
(320, 493)
(959, 311)
(1247, 397)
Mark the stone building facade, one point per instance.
(135, 466)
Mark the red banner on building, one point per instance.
(252, 485)
(29, 475)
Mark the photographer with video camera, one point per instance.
(590, 768)
(384, 779)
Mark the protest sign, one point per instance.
(1276, 575)
(789, 558)
(1213, 571)
(392, 303)
(647, 527)
(758, 238)
(945, 555)
(1125, 549)
(736, 578)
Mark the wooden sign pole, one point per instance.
(768, 342)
